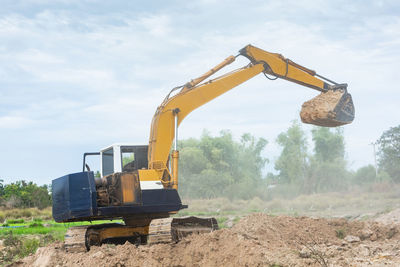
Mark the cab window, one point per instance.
(108, 161)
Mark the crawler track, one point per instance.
(75, 239)
(168, 230)
(174, 229)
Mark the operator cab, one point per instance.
(122, 158)
(119, 158)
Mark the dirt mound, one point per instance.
(392, 217)
(256, 240)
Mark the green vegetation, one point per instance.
(291, 164)
(15, 221)
(219, 166)
(389, 153)
(350, 204)
(301, 172)
(31, 234)
(9, 215)
(16, 247)
(23, 194)
(340, 233)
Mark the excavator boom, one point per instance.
(333, 107)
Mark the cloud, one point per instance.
(86, 74)
(15, 122)
(157, 25)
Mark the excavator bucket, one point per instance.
(329, 109)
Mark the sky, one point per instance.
(79, 75)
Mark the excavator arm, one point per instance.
(192, 95)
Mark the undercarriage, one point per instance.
(165, 230)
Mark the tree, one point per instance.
(1, 191)
(389, 152)
(328, 144)
(366, 174)
(1, 188)
(22, 194)
(292, 162)
(327, 169)
(220, 166)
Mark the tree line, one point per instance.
(22, 194)
(219, 166)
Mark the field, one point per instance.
(24, 231)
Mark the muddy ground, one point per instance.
(256, 240)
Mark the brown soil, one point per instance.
(256, 240)
(320, 109)
(392, 217)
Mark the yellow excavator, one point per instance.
(139, 183)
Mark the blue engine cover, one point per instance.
(74, 199)
(74, 196)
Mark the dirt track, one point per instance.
(256, 240)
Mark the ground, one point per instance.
(256, 240)
(333, 229)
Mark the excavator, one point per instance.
(138, 184)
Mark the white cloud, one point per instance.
(15, 122)
(92, 78)
(158, 25)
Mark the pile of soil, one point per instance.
(320, 109)
(392, 217)
(256, 240)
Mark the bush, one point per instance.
(29, 246)
(44, 214)
(14, 221)
(382, 187)
(366, 174)
(340, 233)
(12, 247)
(36, 224)
(19, 247)
(327, 176)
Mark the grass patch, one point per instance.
(15, 221)
(340, 233)
(334, 204)
(221, 222)
(28, 213)
(22, 241)
(39, 227)
(35, 224)
(17, 247)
